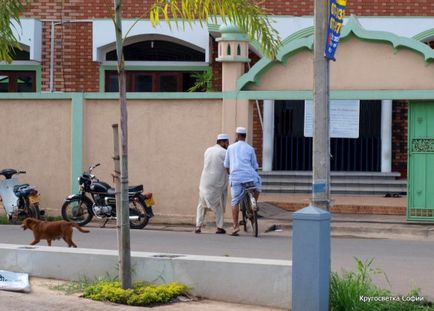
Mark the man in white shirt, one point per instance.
(242, 166)
(213, 184)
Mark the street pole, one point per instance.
(321, 139)
(311, 225)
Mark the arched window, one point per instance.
(158, 50)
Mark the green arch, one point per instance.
(424, 35)
(303, 39)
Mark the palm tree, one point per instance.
(9, 17)
(246, 14)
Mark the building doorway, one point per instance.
(293, 151)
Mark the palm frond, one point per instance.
(248, 15)
(9, 12)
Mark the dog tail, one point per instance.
(79, 228)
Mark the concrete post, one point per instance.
(310, 259)
(386, 136)
(268, 136)
(321, 137)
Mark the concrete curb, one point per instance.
(372, 230)
(261, 282)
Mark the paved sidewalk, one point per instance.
(44, 298)
(360, 225)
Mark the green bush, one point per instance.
(346, 290)
(141, 294)
(4, 220)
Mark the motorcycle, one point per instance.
(19, 200)
(81, 208)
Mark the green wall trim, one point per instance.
(103, 68)
(233, 59)
(157, 95)
(26, 67)
(301, 40)
(277, 95)
(37, 95)
(424, 35)
(335, 94)
(213, 27)
(77, 132)
(103, 95)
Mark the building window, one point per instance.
(17, 81)
(158, 50)
(146, 81)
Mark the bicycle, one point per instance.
(249, 208)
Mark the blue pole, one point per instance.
(310, 259)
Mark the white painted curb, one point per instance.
(241, 280)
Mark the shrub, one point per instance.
(4, 220)
(346, 290)
(141, 294)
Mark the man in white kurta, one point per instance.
(213, 184)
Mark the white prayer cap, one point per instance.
(223, 136)
(241, 130)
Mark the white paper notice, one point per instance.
(344, 118)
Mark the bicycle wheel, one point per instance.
(252, 214)
(243, 213)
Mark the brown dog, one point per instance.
(53, 230)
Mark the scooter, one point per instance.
(19, 200)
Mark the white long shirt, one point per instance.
(214, 179)
(241, 161)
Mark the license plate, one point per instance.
(149, 202)
(34, 199)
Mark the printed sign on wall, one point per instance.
(344, 118)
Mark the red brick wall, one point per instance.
(257, 131)
(75, 70)
(216, 66)
(358, 7)
(399, 137)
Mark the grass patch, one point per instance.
(141, 294)
(74, 287)
(346, 291)
(4, 220)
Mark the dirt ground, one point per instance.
(44, 298)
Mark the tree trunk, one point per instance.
(125, 252)
(117, 182)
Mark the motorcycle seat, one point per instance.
(131, 189)
(23, 189)
(138, 188)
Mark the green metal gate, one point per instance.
(420, 161)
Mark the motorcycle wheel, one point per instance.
(137, 208)
(77, 210)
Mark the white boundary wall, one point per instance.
(242, 280)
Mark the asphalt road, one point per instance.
(407, 264)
